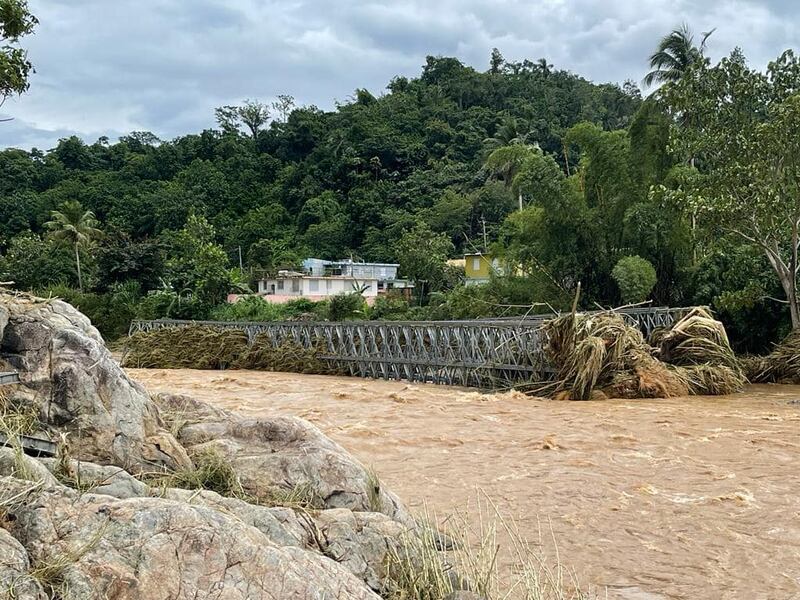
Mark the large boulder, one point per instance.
(158, 549)
(279, 454)
(68, 373)
(359, 541)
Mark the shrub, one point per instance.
(635, 278)
(165, 304)
(389, 308)
(110, 312)
(346, 306)
(249, 308)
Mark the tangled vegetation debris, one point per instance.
(601, 353)
(204, 347)
(782, 365)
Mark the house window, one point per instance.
(280, 284)
(476, 263)
(295, 285)
(328, 284)
(313, 285)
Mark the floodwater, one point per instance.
(648, 499)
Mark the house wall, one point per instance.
(479, 266)
(296, 287)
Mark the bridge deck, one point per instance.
(486, 353)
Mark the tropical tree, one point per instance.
(635, 278)
(512, 132)
(252, 114)
(747, 181)
(422, 255)
(506, 162)
(674, 55)
(544, 67)
(283, 105)
(16, 21)
(74, 226)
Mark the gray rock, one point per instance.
(22, 466)
(100, 479)
(156, 548)
(15, 583)
(280, 453)
(68, 373)
(282, 526)
(359, 541)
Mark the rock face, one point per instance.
(98, 528)
(154, 548)
(79, 388)
(280, 453)
(15, 582)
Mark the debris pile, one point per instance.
(782, 365)
(204, 347)
(599, 355)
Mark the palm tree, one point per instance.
(75, 226)
(511, 132)
(544, 67)
(505, 162)
(674, 55)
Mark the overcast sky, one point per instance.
(107, 67)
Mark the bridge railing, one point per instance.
(485, 353)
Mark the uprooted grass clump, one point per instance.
(18, 417)
(782, 365)
(190, 347)
(287, 356)
(601, 353)
(204, 347)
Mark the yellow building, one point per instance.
(479, 268)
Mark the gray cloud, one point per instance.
(164, 65)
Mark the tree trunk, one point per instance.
(788, 283)
(520, 201)
(791, 296)
(78, 263)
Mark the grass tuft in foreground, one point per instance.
(486, 554)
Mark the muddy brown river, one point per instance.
(689, 498)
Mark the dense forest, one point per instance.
(572, 182)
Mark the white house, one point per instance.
(321, 279)
(290, 285)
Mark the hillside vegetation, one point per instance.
(436, 166)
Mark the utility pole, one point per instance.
(485, 244)
(241, 268)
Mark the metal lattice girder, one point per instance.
(482, 353)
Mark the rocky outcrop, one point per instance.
(99, 526)
(359, 541)
(280, 454)
(79, 389)
(155, 548)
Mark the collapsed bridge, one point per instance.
(483, 353)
